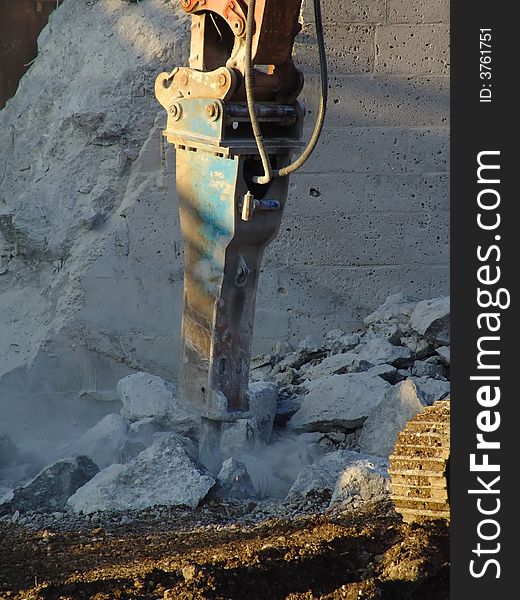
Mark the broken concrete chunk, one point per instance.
(233, 481)
(431, 389)
(386, 372)
(380, 430)
(421, 368)
(377, 350)
(104, 442)
(322, 475)
(144, 395)
(397, 307)
(286, 409)
(418, 346)
(336, 364)
(339, 402)
(366, 479)
(145, 427)
(337, 341)
(53, 485)
(163, 474)
(431, 319)
(444, 353)
(310, 344)
(391, 320)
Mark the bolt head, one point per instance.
(175, 111)
(222, 80)
(211, 110)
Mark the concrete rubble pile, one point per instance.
(323, 421)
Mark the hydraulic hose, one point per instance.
(266, 163)
(257, 132)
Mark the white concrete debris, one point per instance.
(431, 318)
(52, 486)
(402, 402)
(145, 395)
(391, 319)
(429, 368)
(431, 389)
(233, 481)
(444, 353)
(377, 350)
(339, 402)
(104, 442)
(337, 340)
(324, 428)
(326, 474)
(362, 480)
(163, 474)
(335, 364)
(145, 428)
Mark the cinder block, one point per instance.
(270, 323)
(440, 281)
(357, 290)
(429, 150)
(389, 101)
(312, 194)
(418, 11)
(339, 239)
(350, 49)
(405, 194)
(438, 186)
(413, 49)
(353, 11)
(360, 150)
(300, 292)
(317, 325)
(427, 239)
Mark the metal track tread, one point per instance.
(419, 465)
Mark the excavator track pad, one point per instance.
(419, 465)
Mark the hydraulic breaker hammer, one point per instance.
(235, 121)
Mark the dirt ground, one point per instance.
(367, 554)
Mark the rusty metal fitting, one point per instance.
(212, 111)
(222, 80)
(239, 27)
(175, 111)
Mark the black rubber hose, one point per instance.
(257, 132)
(266, 163)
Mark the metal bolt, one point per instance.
(222, 80)
(184, 79)
(212, 111)
(175, 111)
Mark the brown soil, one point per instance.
(368, 554)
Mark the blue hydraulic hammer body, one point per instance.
(228, 214)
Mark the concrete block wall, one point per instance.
(368, 214)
